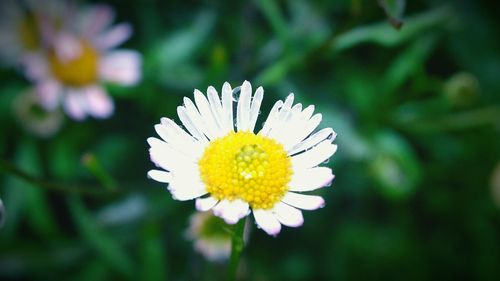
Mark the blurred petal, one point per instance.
(114, 37)
(99, 104)
(67, 46)
(122, 67)
(49, 93)
(96, 19)
(74, 105)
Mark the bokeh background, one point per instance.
(416, 109)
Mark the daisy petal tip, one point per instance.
(329, 180)
(205, 204)
(230, 220)
(151, 141)
(321, 203)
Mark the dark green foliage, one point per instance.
(416, 109)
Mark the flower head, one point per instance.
(230, 169)
(79, 56)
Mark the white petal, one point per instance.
(178, 138)
(302, 201)
(288, 127)
(205, 204)
(122, 67)
(311, 179)
(315, 156)
(304, 131)
(95, 19)
(186, 186)
(99, 104)
(189, 124)
(49, 94)
(243, 110)
(36, 67)
(313, 140)
(216, 108)
(231, 211)
(307, 112)
(271, 118)
(74, 105)
(67, 46)
(168, 158)
(255, 107)
(206, 114)
(227, 105)
(114, 36)
(288, 215)
(282, 117)
(197, 120)
(160, 176)
(266, 220)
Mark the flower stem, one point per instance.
(237, 245)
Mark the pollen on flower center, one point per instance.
(245, 166)
(79, 71)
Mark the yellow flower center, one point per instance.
(79, 71)
(245, 166)
(28, 32)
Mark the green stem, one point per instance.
(8, 168)
(237, 245)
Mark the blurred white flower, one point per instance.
(232, 170)
(34, 118)
(78, 58)
(20, 32)
(210, 236)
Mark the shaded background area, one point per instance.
(417, 112)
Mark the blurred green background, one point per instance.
(417, 112)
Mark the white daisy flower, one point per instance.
(231, 170)
(79, 59)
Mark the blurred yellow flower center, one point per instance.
(28, 32)
(245, 166)
(78, 71)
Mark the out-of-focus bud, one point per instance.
(461, 89)
(211, 236)
(394, 166)
(34, 118)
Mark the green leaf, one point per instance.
(408, 62)
(383, 34)
(103, 244)
(153, 258)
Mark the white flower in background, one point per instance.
(210, 236)
(34, 118)
(20, 32)
(79, 59)
(231, 170)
